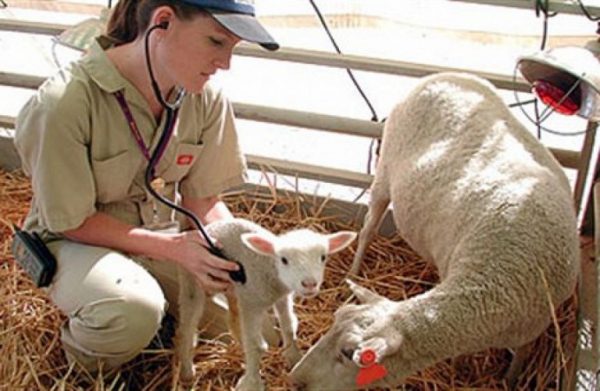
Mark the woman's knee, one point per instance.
(118, 326)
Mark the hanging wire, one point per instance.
(587, 13)
(542, 7)
(374, 117)
(348, 70)
(538, 125)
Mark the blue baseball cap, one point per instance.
(238, 17)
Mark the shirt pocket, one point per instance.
(114, 176)
(181, 162)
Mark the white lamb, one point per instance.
(476, 194)
(276, 267)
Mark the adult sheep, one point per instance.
(476, 194)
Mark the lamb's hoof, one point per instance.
(250, 383)
(185, 387)
(292, 355)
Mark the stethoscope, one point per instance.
(171, 109)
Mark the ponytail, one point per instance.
(130, 18)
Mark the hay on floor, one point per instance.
(30, 349)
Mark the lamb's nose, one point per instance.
(309, 283)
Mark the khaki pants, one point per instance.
(114, 303)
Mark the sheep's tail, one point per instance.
(233, 319)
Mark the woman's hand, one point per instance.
(190, 250)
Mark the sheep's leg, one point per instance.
(377, 207)
(253, 345)
(191, 306)
(520, 357)
(288, 322)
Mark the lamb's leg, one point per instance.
(377, 207)
(253, 345)
(233, 316)
(288, 322)
(191, 306)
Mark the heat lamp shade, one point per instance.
(81, 35)
(563, 66)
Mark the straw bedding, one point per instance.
(30, 349)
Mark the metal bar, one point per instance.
(596, 329)
(583, 168)
(392, 67)
(309, 171)
(303, 119)
(20, 80)
(283, 167)
(31, 27)
(561, 6)
(314, 57)
(568, 159)
(7, 122)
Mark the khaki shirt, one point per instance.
(75, 143)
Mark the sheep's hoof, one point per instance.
(186, 376)
(517, 365)
(292, 355)
(262, 346)
(250, 383)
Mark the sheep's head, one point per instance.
(335, 361)
(299, 255)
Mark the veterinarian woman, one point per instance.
(86, 139)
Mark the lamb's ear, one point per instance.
(340, 240)
(363, 294)
(258, 243)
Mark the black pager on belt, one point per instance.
(31, 253)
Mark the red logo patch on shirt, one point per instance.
(185, 160)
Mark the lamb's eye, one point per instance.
(284, 260)
(323, 258)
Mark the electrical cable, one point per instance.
(587, 13)
(538, 125)
(374, 117)
(348, 70)
(542, 7)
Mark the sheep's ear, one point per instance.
(340, 240)
(363, 294)
(258, 243)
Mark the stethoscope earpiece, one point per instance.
(163, 25)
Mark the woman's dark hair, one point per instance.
(130, 18)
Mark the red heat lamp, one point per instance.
(566, 78)
(561, 101)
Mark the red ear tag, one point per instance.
(368, 375)
(371, 371)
